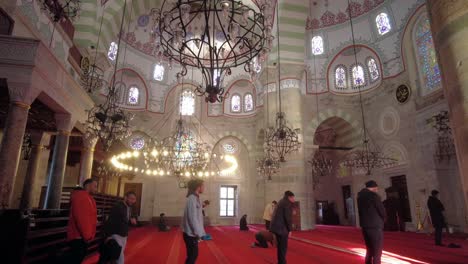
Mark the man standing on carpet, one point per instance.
(436, 210)
(281, 225)
(83, 220)
(192, 221)
(268, 213)
(119, 219)
(371, 217)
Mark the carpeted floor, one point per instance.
(325, 244)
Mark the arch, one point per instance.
(237, 135)
(143, 92)
(346, 57)
(337, 116)
(396, 150)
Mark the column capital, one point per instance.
(65, 123)
(39, 138)
(89, 141)
(21, 93)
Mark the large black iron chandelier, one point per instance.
(92, 76)
(281, 140)
(62, 9)
(213, 36)
(107, 121)
(368, 156)
(445, 148)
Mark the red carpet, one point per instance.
(326, 244)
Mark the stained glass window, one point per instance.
(248, 103)
(229, 148)
(133, 95)
(426, 56)
(158, 72)
(137, 143)
(373, 69)
(112, 53)
(317, 45)
(187, 103)
(358, 76)
(340, 77)
(383, 23)
(236, 103)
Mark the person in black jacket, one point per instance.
(371, 217)
(119, 219)
(281, 225)
(243, 223)
(436, 209)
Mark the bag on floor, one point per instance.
(206, 237)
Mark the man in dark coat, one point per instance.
(120, 217)
(436, 209)
(371, 217)
(281, 225)
(393, 210)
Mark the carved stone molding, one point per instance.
(14, 50)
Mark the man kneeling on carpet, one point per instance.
(117, 224)
(162, 223)
(263, 237)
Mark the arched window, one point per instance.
(317, 45)
(358, 76)
(340, 77)
(158, 72)
(236, 103)
(383, 23)
(133, 95)
(112, 53)
(426, 56)
(373, 69)
(187, 103)
(248, 103)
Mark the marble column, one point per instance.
(292, 174)
(59, 162)
(38, 140)
(449, 24)
(10, 151)
(87, 156)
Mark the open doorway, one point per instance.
(320, 207)
(399, 183)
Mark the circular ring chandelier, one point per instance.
(213, 36)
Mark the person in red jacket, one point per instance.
(82, 222)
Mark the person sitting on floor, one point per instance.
(243, 223)
(262, 238)
(162, 223)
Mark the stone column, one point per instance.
(21, 96)
(59, 161)
(449, 23)
(38, 140)
(87, 156)
(293, 174)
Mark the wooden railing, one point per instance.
(47, 231)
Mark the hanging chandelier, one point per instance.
(107, 121)
(92, 76)
(368, 156)
(321, 165)
(268, 165)
(62, 9)
(281, 140)
(445, 148)
(214, 36)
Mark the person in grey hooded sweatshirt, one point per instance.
(192, 222)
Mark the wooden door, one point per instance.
(138, 189)
(296, 216)
(399, 183)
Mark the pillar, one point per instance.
(59, 161)
(292, 174)
(87, 156)
(38, 140)
(21, 96)
(449, 24)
